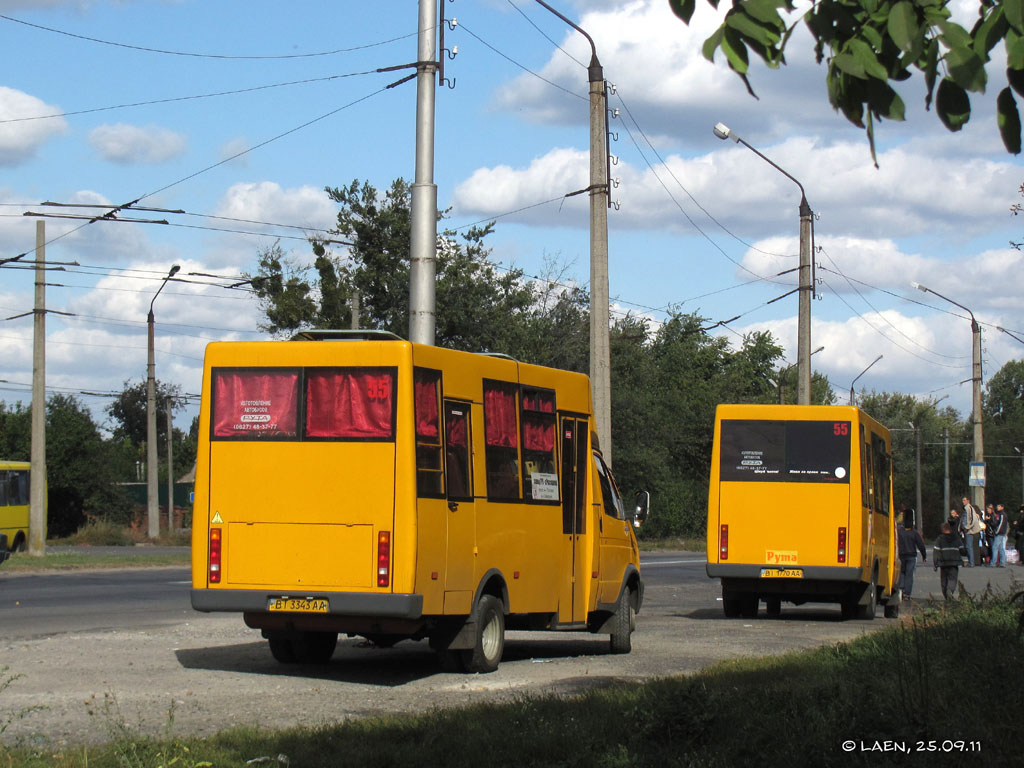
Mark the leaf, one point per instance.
(1014, 50)
(735, 51)
(712, 43)
(884, 101)
(1016, 79)
(967, 68)
(929, 65)
(683, 8)
(952, 104)
(765, 11)
(902, 26)
(1009, 120)
(867, 58)
(1014, 12)
(751, 29)
(988, 32)
(954, 36)
(850, 65)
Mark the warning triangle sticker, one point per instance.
(216, 518)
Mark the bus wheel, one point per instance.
(892, 609)
(868, 611)
(748, 607)
(773, 606)
(281, 647)
(19, 544)
(490, 638)
(731, 606)
(623, 624)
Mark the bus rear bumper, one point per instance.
(810, 572)
(385, 606)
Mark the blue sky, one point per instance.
(696, 217)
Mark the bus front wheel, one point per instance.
(623, 624)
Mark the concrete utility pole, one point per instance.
(170, 468)
(152, 494)
(37, 479)
(423, 241)
(600, 346)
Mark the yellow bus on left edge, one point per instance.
(14, 493)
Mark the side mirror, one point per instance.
(643, 503)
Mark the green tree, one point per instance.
(868, 45)
(479, 307)
(128, 412)
(1003, 409)
(910, 419)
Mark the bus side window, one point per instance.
(429, 468)
(458, 461)
(501, 440)
(3, 489)
(612, 503)
(540, 479)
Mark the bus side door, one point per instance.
(572, 603)
(458, 464)
(616, 550)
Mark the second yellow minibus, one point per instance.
(14, 507)
(359, 483)
(800, 510)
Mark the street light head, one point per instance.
(919, 287)
(722, 131)
(174, 270)
(1016, 449)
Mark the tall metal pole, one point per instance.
(852, 398)
(803, 335)
(977, 491)
(423, 240)
(37, 479)
(600, 346)
(920, 512)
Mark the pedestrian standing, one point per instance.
(985, 539)
(999, 529)
(946, 557)
(910, 542)
(970, 523)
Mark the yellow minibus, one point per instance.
(800, 510)
(14, 507)
(355, 482)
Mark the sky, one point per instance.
(240, 113)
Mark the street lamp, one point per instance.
(861, 374)
(979, 449)
(803, 346)
(152, 494)
(782, 377)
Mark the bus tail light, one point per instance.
(383, 558)
(841, 551)
(723, 543)
(215, 555)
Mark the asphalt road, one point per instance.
(102, 650)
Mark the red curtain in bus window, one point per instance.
(534, 400)
(427, 420)
(500, 417)
(349, 404)
(255, 404)
(455, 432)
(538, 433)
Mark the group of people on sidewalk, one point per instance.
(956, 541)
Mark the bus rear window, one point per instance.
(303, 404)
(255, 404)
(785, 451)
(349, 404)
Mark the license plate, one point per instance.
(782, 573)
(298, 604)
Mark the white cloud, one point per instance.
(267, 201)
(137, 145)
(20, 140)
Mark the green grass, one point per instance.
(672, 543)
(67, 561)
(949, 673)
